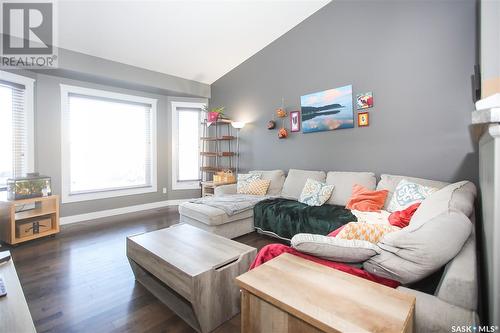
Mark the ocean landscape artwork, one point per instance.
(327, 110)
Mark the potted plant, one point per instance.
(213, 113)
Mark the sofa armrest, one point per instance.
(225, 190)
(459, 284)
(435, 315)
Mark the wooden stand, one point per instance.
(208, 188)
(289, 294)
(18, 211)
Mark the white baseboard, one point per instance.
(119, 211)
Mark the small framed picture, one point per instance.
(295, 121)
(364, 100)
(363, 119)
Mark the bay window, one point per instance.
(108, 144)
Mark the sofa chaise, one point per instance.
(454, 301)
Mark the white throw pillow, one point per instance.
(407, 194)
(244, 179)
(335, 249)
(315, 193)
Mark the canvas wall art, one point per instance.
(364, 100)
(327, 110)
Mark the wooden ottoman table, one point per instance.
(192, 271)
(289, 294)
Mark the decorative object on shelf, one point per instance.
(282, 133)
(271, 124)
(213, 114)
(295, 121)
(327, 110)
(238, 125)
(32, 185)
(364, 100)
(224, 177)
(363, 119)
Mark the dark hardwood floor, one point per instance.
(80, 280)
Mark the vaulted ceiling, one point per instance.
(197, 40)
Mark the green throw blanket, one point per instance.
(286, 218)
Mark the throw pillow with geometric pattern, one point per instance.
(257, 187)
(246, 178)
(315, 193)
(407, 194)
(372, 233)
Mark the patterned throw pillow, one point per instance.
(407, 194)
(257, 187)
(315, 193)
(372, 233)
(244, 179)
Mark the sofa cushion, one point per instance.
(344, 181)
(210, 215)
(335, 249)
(296, 179)
(256, 187)
(244, 179)
(364, 231)
(389, 182)
(365, 200)
(411, 255)
(285, 218)
(277, 178)
(315, 193)
(456, 196)
(408, 193)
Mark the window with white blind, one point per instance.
(186, 129)
(16, 126)
(108, 144)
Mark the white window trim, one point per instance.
(29, 100)
(66, 196)
(176, 185)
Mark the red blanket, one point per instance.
(271, 251)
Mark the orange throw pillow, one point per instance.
(365, 200)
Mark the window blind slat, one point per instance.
(19, 131)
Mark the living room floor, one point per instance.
(81, 281)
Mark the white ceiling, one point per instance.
(197, 40)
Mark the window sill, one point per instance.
(68, 198)
(186, 186)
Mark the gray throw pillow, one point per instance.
(335, 249)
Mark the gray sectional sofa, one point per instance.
(455, 300)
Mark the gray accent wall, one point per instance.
(97, 73)
(416, 56)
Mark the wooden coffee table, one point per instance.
(192, 271)
(291, 294)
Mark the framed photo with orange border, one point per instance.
(363, 119)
